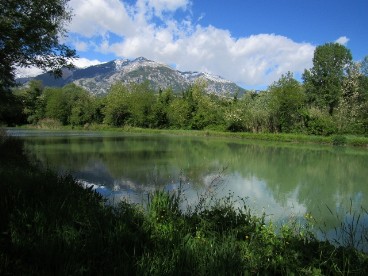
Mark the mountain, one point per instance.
(98, 78)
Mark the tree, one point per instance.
(160, 108)
(80, 105)
(350, 105)
(30, 96)
(260, 119)
(323, 81)
(205, 110)
(179, 113)
(287, 102)
(237, 115)
(11, 109)
(363, 79)
(55, 105)
(364, 66)
(116, 110)
(29, 35)
(140, 104)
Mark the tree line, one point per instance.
(333, 98)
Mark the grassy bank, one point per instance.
(52, 226)
(337, 140)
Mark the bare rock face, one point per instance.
(98, 79)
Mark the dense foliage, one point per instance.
(30, 32)
(333, 99)
(324, 82)
(29, 35)
(50, 225)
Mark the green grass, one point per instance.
(336, 140)
(52, 226)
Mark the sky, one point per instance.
(250, 42)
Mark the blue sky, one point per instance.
(251, 42)
(313, 21)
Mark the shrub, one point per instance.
(319, 123)
(338, 140)
(48, 123)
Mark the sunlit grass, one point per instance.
(339, 140)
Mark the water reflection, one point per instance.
(263, 199)
(282, 180)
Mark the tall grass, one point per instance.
(352, 231)
(50, 225)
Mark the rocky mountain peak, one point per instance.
(98, 78)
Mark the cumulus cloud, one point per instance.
(98, 17)
(343, 40)
(84, 62)
(24, 72)
(148, 28)
(33, 71)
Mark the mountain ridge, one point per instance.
(97, 79)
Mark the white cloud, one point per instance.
(97, 17)
(32, 71)
(81, 46)
(254, 60)
(84, 62)
(24, 72)
(343, 40)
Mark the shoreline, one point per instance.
(294, 138)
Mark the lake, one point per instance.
(286, 181)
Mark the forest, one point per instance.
(332, 98)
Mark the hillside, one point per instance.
(98, 78)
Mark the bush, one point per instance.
(320, 123)
(48, 123)
(338, 140)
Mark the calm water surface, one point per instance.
(285, 181)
